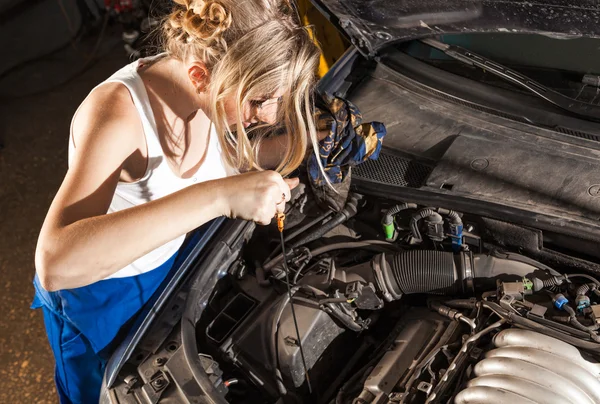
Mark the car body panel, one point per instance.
(373, 25)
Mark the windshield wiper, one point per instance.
(579, 108)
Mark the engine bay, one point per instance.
(464, 268)
(402, 303)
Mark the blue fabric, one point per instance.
(348, 143)
(83, 324)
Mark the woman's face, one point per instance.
(261, 110)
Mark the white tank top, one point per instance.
(159, 180)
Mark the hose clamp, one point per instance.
(468, 266)
(380, 278)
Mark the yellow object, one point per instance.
(280, 221)
(325, 35)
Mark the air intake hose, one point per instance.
(440, 272)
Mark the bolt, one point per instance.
(480, 164)
(160, 361)
(475, 354)
(159, 383)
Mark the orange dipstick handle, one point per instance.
(280, 221)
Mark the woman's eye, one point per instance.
(256, 103)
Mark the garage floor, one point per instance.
(33, 161)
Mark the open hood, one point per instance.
(374, 24)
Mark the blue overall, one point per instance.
(84, 326)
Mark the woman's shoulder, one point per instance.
(110, 113)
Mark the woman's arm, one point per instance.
(80, 244)
(272, 149)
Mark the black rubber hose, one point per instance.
(335, 221)
(377, 245)
(300, 230)
(388, 218)
(586, 276)
(300, 270)
(367, 244)
(260, 274)
(421, 271)
(591, 329)
(349, 211)
(307, 226)
(461, 303)
(558, 325)
(575, 323)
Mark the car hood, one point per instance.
(374, 24)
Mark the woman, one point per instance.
(155, 152)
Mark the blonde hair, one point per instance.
(252, 48)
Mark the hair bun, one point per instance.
(206, 19)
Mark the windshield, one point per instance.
(560, 64)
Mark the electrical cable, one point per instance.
(586, 276)
(523, 322)
(299, 272)
(575, 323)
(420, 215)
(280, 220)
(377, 245)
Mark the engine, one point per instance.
(401, 303)
(532, 365)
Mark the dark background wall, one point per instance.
(33, 28)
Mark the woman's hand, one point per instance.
(256, 196)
